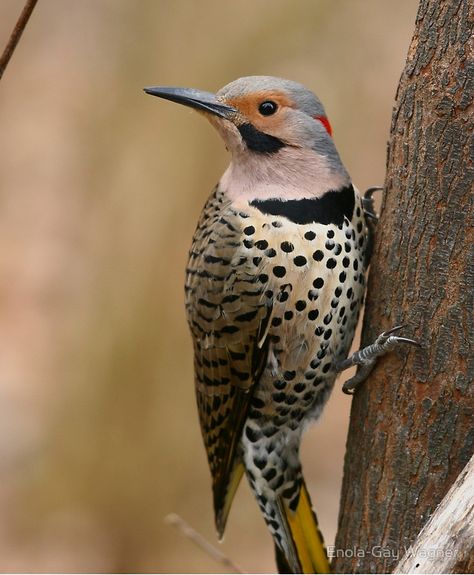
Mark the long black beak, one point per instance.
(193, 98)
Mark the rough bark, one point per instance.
(411, 429)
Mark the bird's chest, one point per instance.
(314, 276)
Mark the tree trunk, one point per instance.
(411, 429)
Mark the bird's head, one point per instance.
(275, 129)
(261, 114)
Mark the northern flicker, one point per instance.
(274, 285)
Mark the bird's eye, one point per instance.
(267, 108)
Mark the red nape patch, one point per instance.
(325, 122)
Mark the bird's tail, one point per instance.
(302, 549)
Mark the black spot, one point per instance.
(248, 244)
(310, 235)
(249, 230)
(274, 523)
(315, 364)
(319, 330)
(313, 314)
(271, 253)
(347, 247)
(269, 474)
(300, 305)
(361, 241)
(337, 249)
(327, 318)
(342, 311)
(269, 431)
(329, 244)
(300, 261)
(338, 291)
(318, 283)
(346, 262)
(269, 293)
(277, 224)
(260, 463)
(358, 212)
(331, 263)
(328, 334)
(289, 491)
(289, 375)
(282, 296)
(243, 215)
(329, 209)
(258, 141)
(263, 278)
(326, 367)
(321, 353)
(287, 247)
(288, 315)
(257, 402)
(291, 399)
(279, 271)
(279, 397)
(299, 387)
(355, 265)
(256, 261)
(253, 435)
(312, 295)
(297, 414)
(276, 321)
(352, 306)
(359, 227)
(279, 384)
(309, 375)
(342, 277)
(308, 396)
(318, 255)
(261, 244)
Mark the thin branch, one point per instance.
(188, 531)
(16, 35)
(446, 542)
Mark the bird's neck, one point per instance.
(289, 174)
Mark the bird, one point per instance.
(274, 285)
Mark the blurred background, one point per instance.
(100, 189)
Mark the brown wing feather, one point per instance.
(228, 313)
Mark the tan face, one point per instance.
(255, 108)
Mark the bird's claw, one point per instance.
(387, 339)
(366, 358)
(368, 203)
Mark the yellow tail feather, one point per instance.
(222, 504)
(306, 536)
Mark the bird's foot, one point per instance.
(366, 357)
(368, 203)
